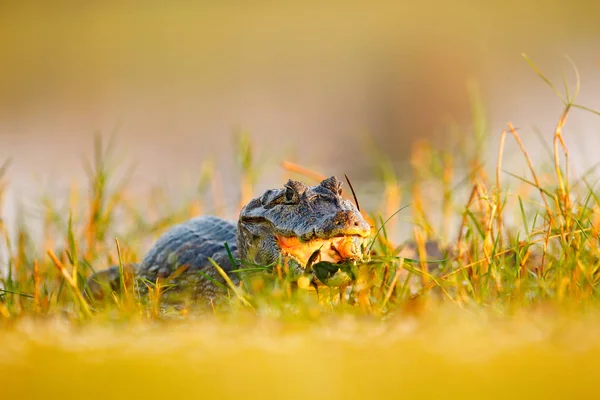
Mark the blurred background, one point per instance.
(322, 84)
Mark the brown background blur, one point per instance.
(310, 81)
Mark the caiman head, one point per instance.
(299, 226)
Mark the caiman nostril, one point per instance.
(347, 219)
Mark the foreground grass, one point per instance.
(511, 309)
(445, 352)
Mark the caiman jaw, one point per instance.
(332, 250)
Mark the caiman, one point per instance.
(310, 230)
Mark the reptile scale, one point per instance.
(302, 227)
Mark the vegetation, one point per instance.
(511, 310)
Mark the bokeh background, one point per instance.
(317, 83)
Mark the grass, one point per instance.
(511, 311)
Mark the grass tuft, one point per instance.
(502, 270)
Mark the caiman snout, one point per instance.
(348, 222)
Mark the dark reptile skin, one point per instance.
(191, 243)
(180, 258)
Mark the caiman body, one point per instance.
(297, 226)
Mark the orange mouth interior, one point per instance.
(332, 250)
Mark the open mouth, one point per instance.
(333, 250)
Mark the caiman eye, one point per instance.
(266, 198)
(290, 196)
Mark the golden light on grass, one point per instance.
(71, 282)
(510, 311)
(446, 353)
